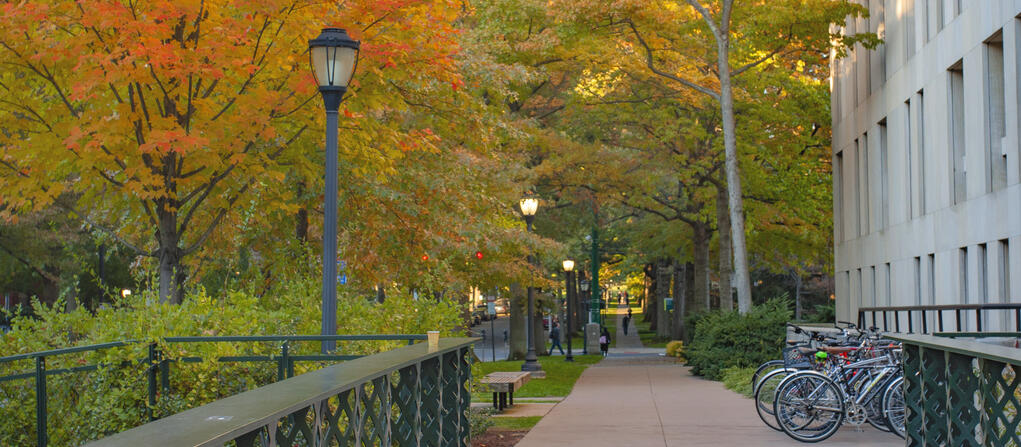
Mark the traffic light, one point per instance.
(478, 255)
(425, 257)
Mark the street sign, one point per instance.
(491, 308)
(669, 304)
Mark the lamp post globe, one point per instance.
(529, 205)
(333, 57)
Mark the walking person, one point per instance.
(554, 336)
(627, 322)
(604, 341)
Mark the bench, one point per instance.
(503, 384)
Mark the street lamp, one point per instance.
(529, 206)
(584, 339)
(569, 272)
(333, 57)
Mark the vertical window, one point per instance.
(931, 264)
(962, 278)
(936, 17)
(857, 188)
(888, 286)
(918, 280)
(884, 177)
(959, 190)
(858, 282)
(983, 273)
(877, 57)
(996, 114)
(863, 182)
(838, 195)
(920, 141)
(1004, 255)
(909, 29)
(873, 291)
(908, 150)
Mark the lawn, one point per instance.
(560, 376)
(522, 423)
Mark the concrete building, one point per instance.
(926, 166)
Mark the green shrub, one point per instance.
(90, 405)
(739, 380)
(480, 419)
(727, 339)
(675, 349)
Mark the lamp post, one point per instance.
(569, 272)
(584, 338)
(529, 206)
(333, 57)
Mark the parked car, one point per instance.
(478, 316)
(501, 309)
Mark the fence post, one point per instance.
(282, 362)
(150, 373)
(40, 401)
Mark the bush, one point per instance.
(675, 349)
(480, 419)
(90, 405)
(728, 339)
(739, 380)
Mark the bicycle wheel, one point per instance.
(763, 369)
(874, 412)
(765, 393)
(809, 406)
(893, 407)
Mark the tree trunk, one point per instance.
(797, 294)
(664, 270)
(380, 293)
(680, 283)
(735, 201)
(700, 242)
(726, 249)
(517, 323)
(689, 292)
(653, 306)
(171, 271)
(538, 339)
(648, 298)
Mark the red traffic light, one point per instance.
(478, 255)
(425, 257)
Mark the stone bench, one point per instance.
(503, 384)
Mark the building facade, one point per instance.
(926, 166)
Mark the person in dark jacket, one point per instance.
(627, 322)
(604, 341)
(554, 336)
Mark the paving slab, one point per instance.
(642, 401)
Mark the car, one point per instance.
(483, 311)
(501, 309)
(478, 316)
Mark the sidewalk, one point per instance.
(638, 398)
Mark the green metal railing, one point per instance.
(960, 392)
(411, 396)
(158, 365)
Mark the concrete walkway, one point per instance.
(640, 399)
(629, 342)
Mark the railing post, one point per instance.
(40, 401)
(978, 318)
(150, 373)
(282, 362)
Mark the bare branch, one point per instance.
(652, 66)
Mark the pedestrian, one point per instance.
(627, 322)
(604, 341)
(627, 302)
(629, 313)
(554, 336)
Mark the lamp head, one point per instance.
(568, 265)
(529, 206)
(333, 56)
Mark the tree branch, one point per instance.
(652, 66)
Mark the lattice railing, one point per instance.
(961, 392)
(412, 396)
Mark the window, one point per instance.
(877, 57)
(959, 191)
(908, 149)
(983, 273)
(931, 264)
(857, 188)
(873, 291)
(918, 280)
(909, 29)
(920, 141)
(996, 114)
(838, 195)
(884, 177)
(863, 184)
(1004, 256)
(962, 280)
(888, 292)
(861, 301)
(935, 18)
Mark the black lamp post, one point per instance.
(569, 272)
(529, 206)
(584, 288)
(333, 56)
